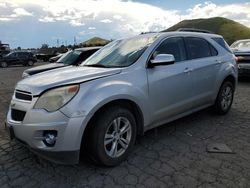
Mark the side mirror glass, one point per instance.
(163, 59)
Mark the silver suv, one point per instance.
(121, 91)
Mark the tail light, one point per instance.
(236, 59)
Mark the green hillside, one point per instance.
(96, 41)
(229, 29)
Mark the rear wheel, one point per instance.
(30, 63)
(225, 98)
(4, 64)
(112, 137)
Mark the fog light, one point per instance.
(50, 138)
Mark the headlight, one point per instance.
(25, 75)
(55, 99)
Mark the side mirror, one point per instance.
(163, 59)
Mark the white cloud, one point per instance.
(46, 19)
(118, 17)
(237, 12)
(140, 16)
(21, 12)
(106, 21)
(12, 13)
(76, 23)
(5, 19)
(123, 18)
(82, 33)
(3, 5)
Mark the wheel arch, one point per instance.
(126, 103)
(231, 79)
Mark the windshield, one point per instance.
(69, 57)
(120, 53)
(241, 44)
(10, 54)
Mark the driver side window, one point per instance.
(174, 46)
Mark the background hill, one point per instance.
(96, 41)
(229, 29)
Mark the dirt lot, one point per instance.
(171, 156)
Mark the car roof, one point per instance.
(21, 51)
(176, 33)
(89, 48)
(186, 33)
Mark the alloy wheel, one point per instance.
(117, 137)
(227, 97)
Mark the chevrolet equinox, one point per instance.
(121, 91)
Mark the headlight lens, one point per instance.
(54, 99)
(25, 75)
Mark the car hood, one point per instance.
(241, 50)
(42, 68)
(64, 76)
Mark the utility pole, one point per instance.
(57, 42)
(74, 40)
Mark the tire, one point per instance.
(4, 64)
(224, 98)
(30, 63)
(112, 136)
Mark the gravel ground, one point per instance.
(173, 155)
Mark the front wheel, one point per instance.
(113, 136)
(4, 64)
(225, 98)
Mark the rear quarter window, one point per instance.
(222, 43)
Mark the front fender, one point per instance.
(95, 94)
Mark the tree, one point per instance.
(45, 46)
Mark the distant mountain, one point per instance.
(229, 29)
(95, 41)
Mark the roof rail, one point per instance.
(194, 30)
(142, 33)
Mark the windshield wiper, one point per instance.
(96, 65)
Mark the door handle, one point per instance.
(187, 70)
(218, 61)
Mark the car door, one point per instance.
(170, 86)
(205, 64)
(12, 58)
(22, 58)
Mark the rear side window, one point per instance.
(199, 48)
(24, 54)
(87, 54)
(222, 43)
(174, 46)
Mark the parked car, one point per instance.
(241, 49)
(126, 88)
(16, 58)
(55, 58)
(4, 49)
(73, 57)
(44, 57)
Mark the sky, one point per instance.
(31, 23)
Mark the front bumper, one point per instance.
(244, 70)
(30, 131)
(60, 157)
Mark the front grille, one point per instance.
(23, 95)
(17, 115)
